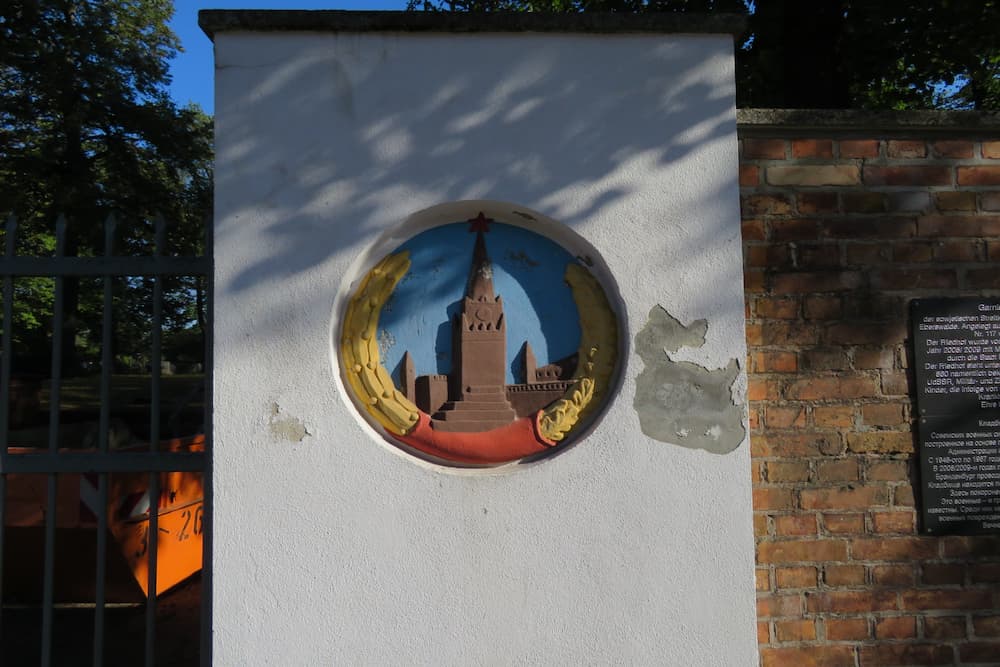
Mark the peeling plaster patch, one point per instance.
(681, 402)
(284, 427)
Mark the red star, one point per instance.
(480, 223)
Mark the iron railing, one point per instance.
(102, 461)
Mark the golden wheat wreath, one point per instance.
(372, 387)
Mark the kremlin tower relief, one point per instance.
(474, 397)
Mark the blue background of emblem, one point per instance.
(528, 272)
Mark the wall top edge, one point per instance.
(761, 122)
(213, 21)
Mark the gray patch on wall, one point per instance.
(284, 427)
(680, 402)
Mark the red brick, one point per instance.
(882, 414)
(894, 522)
(813, 203)
(823, 281)
(990, 201)
(754, 333)
(794, 551)
(807, 656)
(795, 577)
(942, 574)
(959, 225)
(880, 442)
(850, 602)
(812, 148)
(793, 445)
(825, 359)
(902, 496)
(753, 230)
(794, 229)
(775, 362)
(766, 205)
(858, 148)
(893, 576)
(944, 627)
(912, 253)
(863, 202)
(795, 631)
(756, 255)
(818, 255)
(753, 281)
(837, 416)
(814, 175)
(978, 175)
(795, 525)
(984, 653)
(762, 632)
(859, 497)
(986, 626)
(785, 332)
(953, 148)
(865, 254)
(896, 227)
(749, 175)
(985, 546)
(874, 358)
(917, 279)
(849, 333)
(983, 278)
(771, 498)
(959, 251)
(955, 201)
(763, 578)
(777, 308)
(906, 149)
(881, 655)
(893, 548)
(991, 149)
(844, 387)
(769, 605)
(760, 525)
(985, 573)
(888, 471)
(844, 524)
(844, 575)
(822, 307)
(786, 471)
(785, 417)
(844, 470)
(896, 627)
(947, 598)
(764, 149)
(846, 629)
(913, 175)
(761, 390)
(895, 383)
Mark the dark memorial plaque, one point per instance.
(956, 346)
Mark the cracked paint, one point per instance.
(284, 427)
(680, 402)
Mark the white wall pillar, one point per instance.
(332, 546)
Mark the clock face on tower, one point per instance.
(479, 342)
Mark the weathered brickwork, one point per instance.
(841, 230)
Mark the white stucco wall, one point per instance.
(336, 548)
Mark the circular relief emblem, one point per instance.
(479, 342)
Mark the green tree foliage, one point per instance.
(87, 129)
(835, 53)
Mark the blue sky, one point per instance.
(192, 70)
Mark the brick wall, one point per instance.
(843, 223)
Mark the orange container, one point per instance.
(180, 515)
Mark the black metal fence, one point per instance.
(56, 451)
